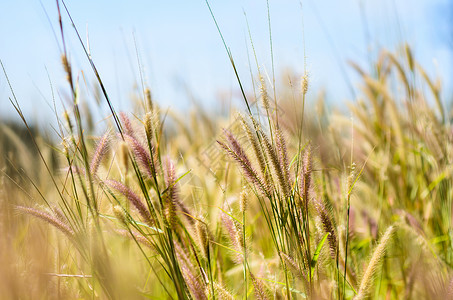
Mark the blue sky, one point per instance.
(180, 48)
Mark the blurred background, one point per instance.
(176, 47)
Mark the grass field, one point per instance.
(285, 199)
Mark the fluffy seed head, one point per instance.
(260, 290)
(304, 84)
(171, 195)
(410, 58)
(234, 234)
(67, 67)
(328, 227)
(264, 95)
(133, 198)
(124, 155)
(238, 154)
(194, 284)
(243, 200)
(351, 178)
(376, 258)
(100, 152)
(149, 126)
(306, 174)
(142, 155)
(148, 99)
(202, 235)
(278, 168)
(59, 214)
(283, 156)
(222, 293)
(49, 219)
(127, 125)
(253, 140)
(118, 211)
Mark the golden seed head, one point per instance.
(410, 58)
(304, 84)
(148, 99)
(67, 119)
(351, 177)
(243, 200)
(202, 234)
(124, 155)
(119, 213)
(66, 66)
(169, 211)
(149, 125)
(264, 95)
(222, 293)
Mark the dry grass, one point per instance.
(280, 204)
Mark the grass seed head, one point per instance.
(373, 265)
(202, 235)
(67, 67)
(149, 126)
(264, 94)
(119, 213)
(304, 84)
(149, 100)
(124, 156)
(243, 201)
(222, 293)
(100, 152)
(56, 222)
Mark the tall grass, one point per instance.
(288, 203)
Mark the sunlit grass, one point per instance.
(282, 200)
